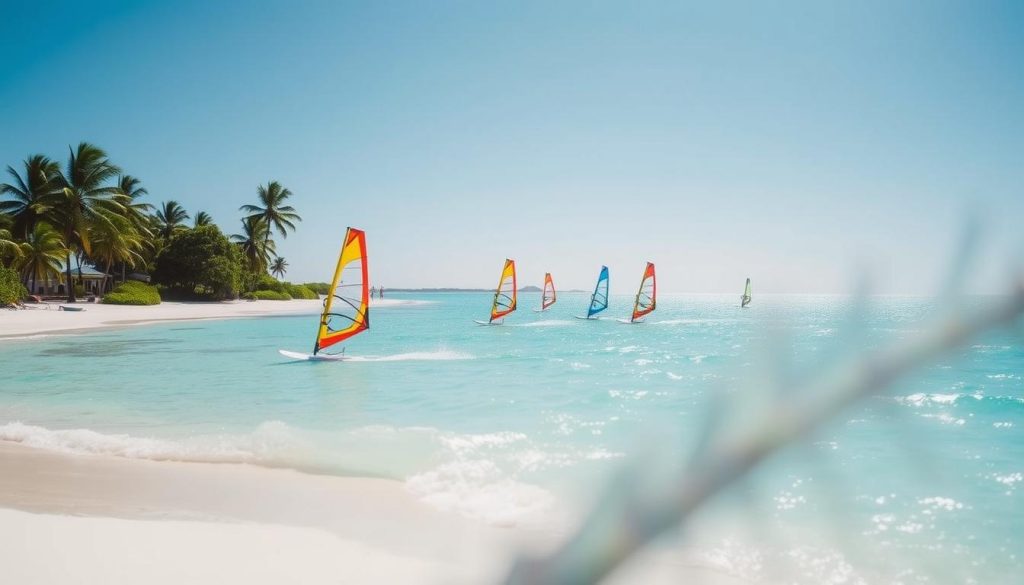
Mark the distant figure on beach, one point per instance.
(380, 293)
(373, 291)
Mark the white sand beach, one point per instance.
(96, 519)
(47, 318)
(219, 523)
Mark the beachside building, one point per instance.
(92, 280)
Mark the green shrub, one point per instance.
(298, 291)
(269, 295)
(320, 288)
(79, 291)
(11, 289)
(267, 282)
(200, 263)
(132, 293)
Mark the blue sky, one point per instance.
(794, 143)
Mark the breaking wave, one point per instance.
(479, 476)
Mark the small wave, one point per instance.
(920, 399)
(1002, 377)
(478, 476)
(25, 337)
(262, 446)
(634, 394)
(479, 489)
(1009, 480)
(443, 355)
(941, 503)
(544, 323)
(974, 402)
(946, 419)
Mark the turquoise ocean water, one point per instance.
(523, 423)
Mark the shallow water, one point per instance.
(522, 423)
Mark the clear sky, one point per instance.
(795, 143)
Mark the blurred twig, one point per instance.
(631, 513)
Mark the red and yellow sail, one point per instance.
(347, 306)
(505, 294)
(646, 297)
(549, 296)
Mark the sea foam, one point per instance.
(264, 445)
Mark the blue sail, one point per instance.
(599, 300)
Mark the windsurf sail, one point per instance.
(346, 308)
(505, 294)
(745, 299)
(647, 296)
(599, 300)
(549, 296)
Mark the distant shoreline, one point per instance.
(46, 319)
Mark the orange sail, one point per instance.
(505, 294)
(550, 296)
(646, 297)
(347, 307)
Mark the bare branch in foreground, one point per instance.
(624, 520)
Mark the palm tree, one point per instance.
(170, 219)
(274, 213)
(278, 267)
(137, 213)
(256, 247)
(203, 218)
(41, 255)
(28, 195)
(84, 199)
(116, 241)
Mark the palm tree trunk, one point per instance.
(266, 240)
(122, 273)
(67, 283)
(106, 273)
